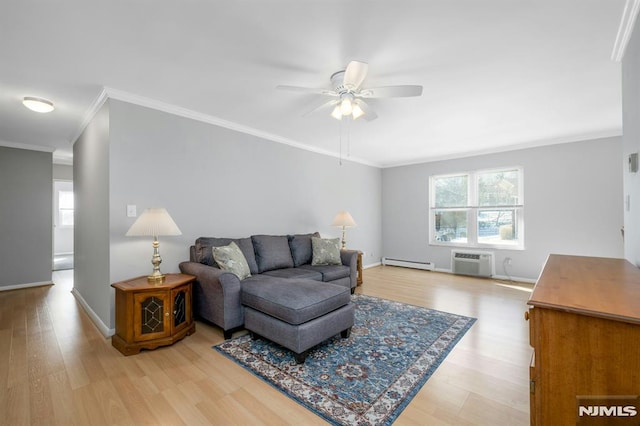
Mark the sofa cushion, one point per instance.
(272, 252)
(294, 301)
(231, 259)
(295, 273)
(258, 279)
(301, 250)
(204, 253)
(325, 251)
(329, 272)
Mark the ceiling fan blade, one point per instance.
(369, 113)
(319, 105)
(355, 74)
(391, 92)
(311, 90)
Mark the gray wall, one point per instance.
(91, 278)
(25, 217)
(213, 181)
(219, 182)
(572, 196)
(62, 172)
(631, 143)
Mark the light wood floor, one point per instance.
(56, 368)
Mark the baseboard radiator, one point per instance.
(472, 263)
(427, 266)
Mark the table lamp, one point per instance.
(154, 222)
(344, 220)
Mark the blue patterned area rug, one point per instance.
(367, 379)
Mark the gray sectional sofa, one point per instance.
(274, 260)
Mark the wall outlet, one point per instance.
(633, 163)
(507, 261)
(131, 210)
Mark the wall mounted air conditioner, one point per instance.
(473, 263)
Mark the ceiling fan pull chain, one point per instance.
(348, 137)
(340, 130)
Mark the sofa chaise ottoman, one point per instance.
(297, 314)
(217, 294)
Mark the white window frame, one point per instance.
(473, 208)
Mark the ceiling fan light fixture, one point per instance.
(349, 95)
(346, 107)
(357, 112)
(336, 113)
(38, 104)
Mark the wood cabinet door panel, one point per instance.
(151, 315)
(181, 308)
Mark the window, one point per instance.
(478, 209)
(65, 208)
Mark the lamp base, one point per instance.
(156, 276)
(155, 279)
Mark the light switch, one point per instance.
(131, 210)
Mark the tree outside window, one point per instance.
(481, 208)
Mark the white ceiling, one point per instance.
(497, 74)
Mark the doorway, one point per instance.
(62, 225)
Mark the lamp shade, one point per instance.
(344, 219)
(154, 222)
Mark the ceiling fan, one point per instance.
(348, 95)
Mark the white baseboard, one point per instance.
(518, 279)
(26, 285)
(102, 327)
(426, 266)
(371, 265)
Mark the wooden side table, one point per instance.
(149, 315)
(359, 266)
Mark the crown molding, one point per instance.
(26, 146)
(142, 101)
(63, 160)
(604, 134)
(89, 114)
(56, 158)
(627, 22)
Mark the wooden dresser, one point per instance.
(584, 320)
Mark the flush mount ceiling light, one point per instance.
(37, 104)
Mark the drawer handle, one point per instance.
(526, 315)
(166, 314)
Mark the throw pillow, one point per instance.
(272, 252)
(325, 251)
(204, 253)
(231, 259)
(301, 250)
